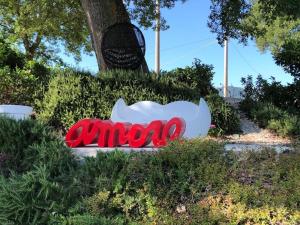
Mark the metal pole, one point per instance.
(226, 68)
(157, 39)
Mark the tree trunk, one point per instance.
(100, 15)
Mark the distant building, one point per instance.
(233, 92)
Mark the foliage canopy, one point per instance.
(41, 27)
(273, 24)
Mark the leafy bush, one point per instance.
(23, 85)
(83, 220)
(39, 173)
(191, 163)
(74, 95)
(135, 187)
(21, 81)
(30, 198)
(289, 125)
(25, 144)
(222, 209)
(224, 117)
(262, 113)
(269, 116)
(16, 88)
(284, 97)
(198, 77)
(273, 106)
(192, 182)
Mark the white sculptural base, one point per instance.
(196, 117)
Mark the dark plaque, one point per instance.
(123, 46)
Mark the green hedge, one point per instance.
(23, 85)
(21, 81)
(75, 95)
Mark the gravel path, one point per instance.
(252, 136)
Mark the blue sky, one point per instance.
(189, 37)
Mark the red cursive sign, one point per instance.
(105, 133)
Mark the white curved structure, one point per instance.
(197, 117)
(16, 111)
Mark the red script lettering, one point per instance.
(105, 133)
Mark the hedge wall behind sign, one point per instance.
(74, 95)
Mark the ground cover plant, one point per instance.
(188, 182)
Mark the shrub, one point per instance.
(264, 112)
(289, 125)
(23, 85)
(187, 182)
(222, 209)
(21, 81)
(284, 97)
(136, 185)
(273, 106)
(224, 117)
(16, 88)
(26, 143)
(280, 121)
(198, 77)
(190, 182)
(32, 197)
(83, 220)
(73, 95)
(36, 173)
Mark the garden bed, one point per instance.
(187, 182)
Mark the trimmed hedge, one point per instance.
(75, 95)
(23, 85)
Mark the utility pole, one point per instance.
(157, 39)
(225, 68)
